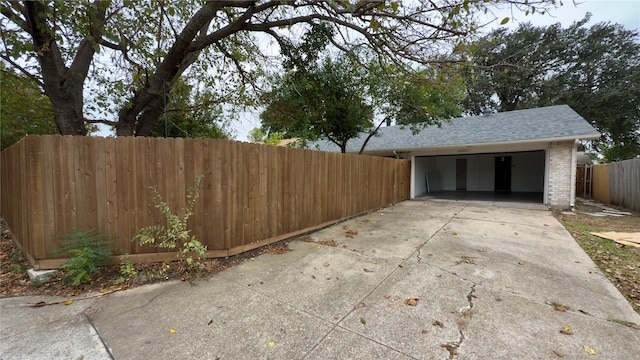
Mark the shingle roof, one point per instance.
(546, 123)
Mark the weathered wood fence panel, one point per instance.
(584, 180)
(250, 195)
(624, 183)
(601, 183)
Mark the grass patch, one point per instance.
(621, 264)
(560, 307)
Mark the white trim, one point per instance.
(574, 164)
(412, 188)
(545, 197)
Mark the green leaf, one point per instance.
(504, 21)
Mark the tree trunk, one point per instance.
(69, 118)
(62, 84)
(147, 103)
(150, 116)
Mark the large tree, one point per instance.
(595, 70)
(131, 53)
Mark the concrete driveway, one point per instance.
(419, 280)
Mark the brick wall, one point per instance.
(561, 174)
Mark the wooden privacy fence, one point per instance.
(601, 183)
(251, 194)
(618, 183)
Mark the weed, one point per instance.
(127, 270)
(175, 234)
(89, 250)
(16, 267)
(559, 306)
(625, 323)
(36, 282)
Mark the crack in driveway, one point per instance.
(466, 313)
(444, 226)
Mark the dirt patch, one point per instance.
(329, 242)
(14, 280)
(620, 263)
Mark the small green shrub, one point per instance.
(16, 267)
(37, 282)
(176, 234)
(88, 251)
(127, 270)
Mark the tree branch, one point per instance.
(101, 121)
(371, 134)
(23, 70)
(13, 17)
(86, 50)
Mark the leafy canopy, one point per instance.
(23, 109)
(595, 70)
(322, 103)
(130, 52)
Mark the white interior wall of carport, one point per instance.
(527, 173)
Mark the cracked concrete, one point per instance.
(419, 280)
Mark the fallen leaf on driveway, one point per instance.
(589, 350)
(363, 321)
(173, 331)
(558, 353)
(271, 344)
(351, 233)
(367, 270)
(438, 323)
(68, 302)
(326, 264)
(411, 301)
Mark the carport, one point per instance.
(500, 176)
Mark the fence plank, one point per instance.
(48, 191)
(34, 195)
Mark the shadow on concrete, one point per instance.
(493, 196)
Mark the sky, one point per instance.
(625, 12)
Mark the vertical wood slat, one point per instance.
(624, 183)
(251, 193)
(34, 195)
(111, 193)
(48, 209)
(601, 183)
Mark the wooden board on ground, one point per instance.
(632, 239)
